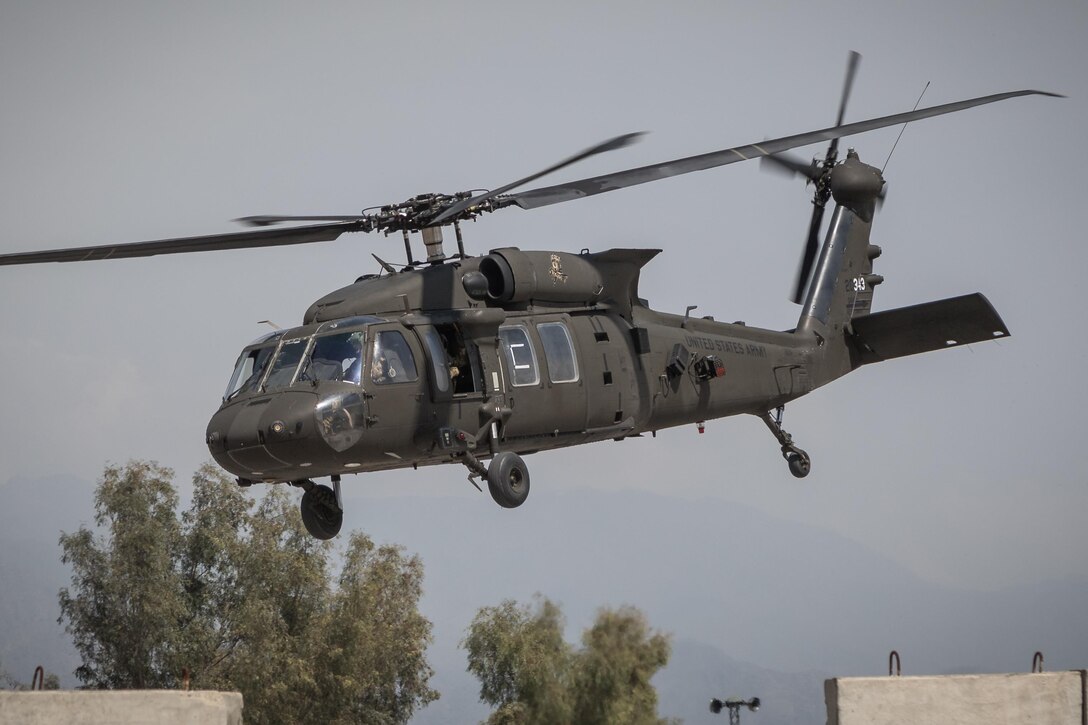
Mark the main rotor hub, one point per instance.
(418, 213)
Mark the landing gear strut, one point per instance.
(322, 514)
(798, 461)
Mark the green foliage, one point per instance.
(612, 674)
(522, 662)
(371, 639)
(531, 675)
(49, 681)
(242, 597)
(128, 597)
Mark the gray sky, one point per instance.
(130, 121)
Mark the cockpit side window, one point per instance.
(248, 371)
(285, 364)
(335, 357)
(392, 360)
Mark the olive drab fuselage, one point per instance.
(518, 351)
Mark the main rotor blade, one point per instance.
(264, 220)
(611, 182)
(181, 245)
(610, 145)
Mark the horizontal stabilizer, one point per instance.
(928, 326)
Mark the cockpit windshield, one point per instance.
(286, 363)
(335, 357)
(248, 371)
(280, 363)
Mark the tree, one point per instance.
(612, 673)
(244, 601)
(522, 662)
(371, 639)
(126, 598)
(531, 675)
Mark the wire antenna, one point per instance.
(903, 129)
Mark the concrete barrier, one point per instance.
(1050, 698)
(120, 707)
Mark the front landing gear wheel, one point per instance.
(320, 513)
(799, 462)
(508, 479)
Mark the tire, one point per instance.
(321, 515)
(799, 465)
(508, 479)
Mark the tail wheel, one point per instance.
(320, 513)
(508, 479)
(799, 464)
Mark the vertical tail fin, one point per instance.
(842, 285)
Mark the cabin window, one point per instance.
(286, 363)
(248, 371)
(335, 357)
(558, 352)
(519, 355)
(392, 360)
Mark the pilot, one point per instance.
(336, 358)
(386, 366)
(352, 359)
(378, 367)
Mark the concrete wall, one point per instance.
(120, 707)
(1051, 698)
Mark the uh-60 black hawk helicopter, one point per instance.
(460, 359)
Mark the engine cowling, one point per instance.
(516, 276)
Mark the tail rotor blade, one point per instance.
(820, 175)
(808, 256)
(790, 164)
(848, 84)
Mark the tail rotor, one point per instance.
(818, 173)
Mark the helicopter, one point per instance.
(481, 360)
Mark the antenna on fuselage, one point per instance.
(385, 265)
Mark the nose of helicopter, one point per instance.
(280, 437)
